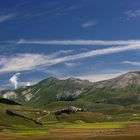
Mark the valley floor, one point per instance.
(67, 132)
(69, 137)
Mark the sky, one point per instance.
(88, 39)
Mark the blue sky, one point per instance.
(87, 39)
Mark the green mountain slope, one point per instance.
(115, 99)
(123, 90)
(50, 90)
(15, 116)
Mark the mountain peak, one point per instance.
(126, 80)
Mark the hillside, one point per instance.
(111, 100)
(49, 90)
(128, 80)
(16, 116)
(123, 90)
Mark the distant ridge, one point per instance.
(123, 90)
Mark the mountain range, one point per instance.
(53, 99)
(123, 90)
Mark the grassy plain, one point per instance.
(76, 131)
(21, 125)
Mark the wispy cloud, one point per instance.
(58, 53)
(52, 10)
(20, 62)
(70, 64)
(26, 62)
(76, 42)
(133, 63)
(99, 52)
(132, 14)
(6, 17)
(99, 77)
(89, 24)
(73, 7)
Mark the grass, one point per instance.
(81, 120)
(31, 132)
(77, 130)
(67, 125)
(97, 125)
(80, 124)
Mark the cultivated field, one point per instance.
(79, 131)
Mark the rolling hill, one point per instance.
(15, 116)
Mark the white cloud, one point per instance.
(69, 64)
(132, 14)
(98, 52)
(14, 79)
(65, 51)
(28, 84)
(20, 62)
(26, 62)
(131, 63)
(6, 17)
(89, 24)
(99, 77)
(78, 42)
(58, 53)
(105, 75)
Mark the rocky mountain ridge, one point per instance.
(121, 90)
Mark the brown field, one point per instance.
(132, 132)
